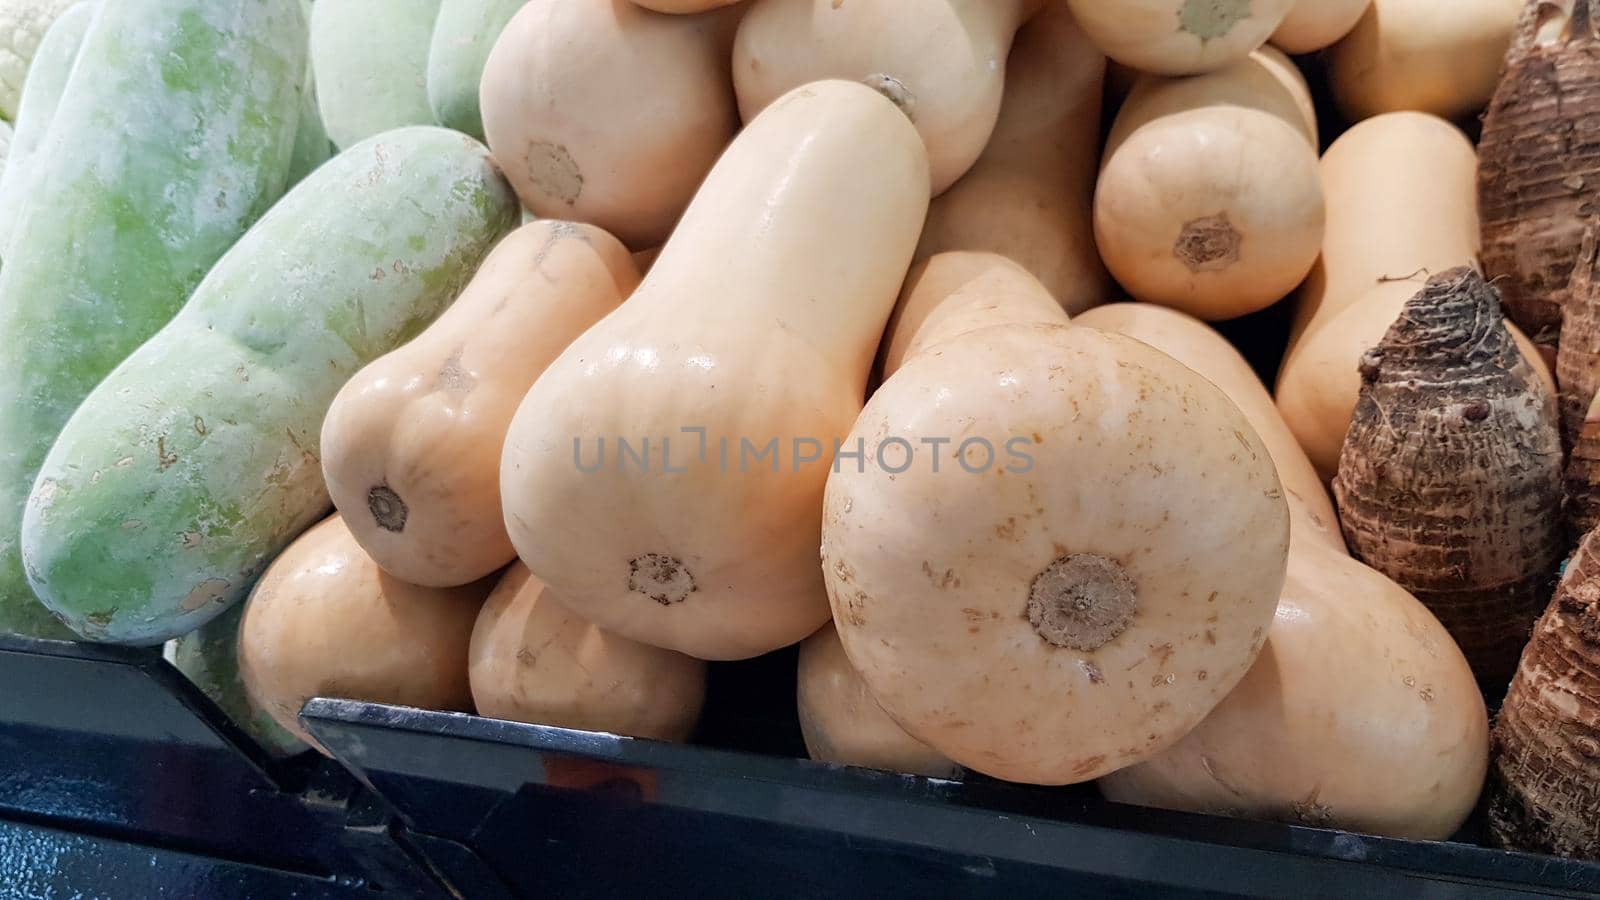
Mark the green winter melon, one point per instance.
(371, 62)
(47, 78)
(463, 35)
(173, 134)
(197, 460)
(312, 147)
(209, 657)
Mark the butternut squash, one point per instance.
(1029, 196)
(1360, 713)
(1312, 25)
(325, 621)
(1179, 37)
(1440, 58)
(1060, 556)
(604, 112)
(952, 293)
(1209, 199)
(1402, 203)
(411, 445)
(942, 62)
(534, 660)
(721, 387)
(841, 722)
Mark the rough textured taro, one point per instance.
(1544, 782)
(1579, 354)
(1449, 480)
(1540, 164)
(1583, 475)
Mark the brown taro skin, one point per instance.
(1583, 476)
(1578, 358)
(1544, 774)
(1539, 167)
(1449, 480)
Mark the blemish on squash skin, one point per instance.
(388, 510)
(1211, 19)
(1208, 244)
(896, 91)
(553, 171)
(664, 579)
(1089, 765)
(208, 591)
(164, 460)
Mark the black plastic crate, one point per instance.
(508, 809)
(115, 748)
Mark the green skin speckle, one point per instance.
(463, 35)
(197, 460)
(1212, 19)
(127, 204)
(209, 656)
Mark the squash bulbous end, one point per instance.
(664, 579)
(1081, 601)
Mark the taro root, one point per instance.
(1583, 474)
(1449, 480)
(1544, 776)
(1579, 353)
(1540, 163)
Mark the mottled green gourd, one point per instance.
(41, 95)
(197, 460)
(463, 35)
(371, 61)
(209, 657)
(128, 205)
(312, 147)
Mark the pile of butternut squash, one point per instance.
(813, 333)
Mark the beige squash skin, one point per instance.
(1314, 24)
(1200, 348)
(1289, 77)
(930, 573)
(1179, 37)
(1360, 712)
(1030, 194)
(604, 112)
(533, 660)
(411, 445)
(1402, 203)
(758, 321)
(943, 61)
(684, 7)
(1209, 198)
(644, 259)
(325, 621)
(1440, 58)
(842, 723)
(955, 292)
